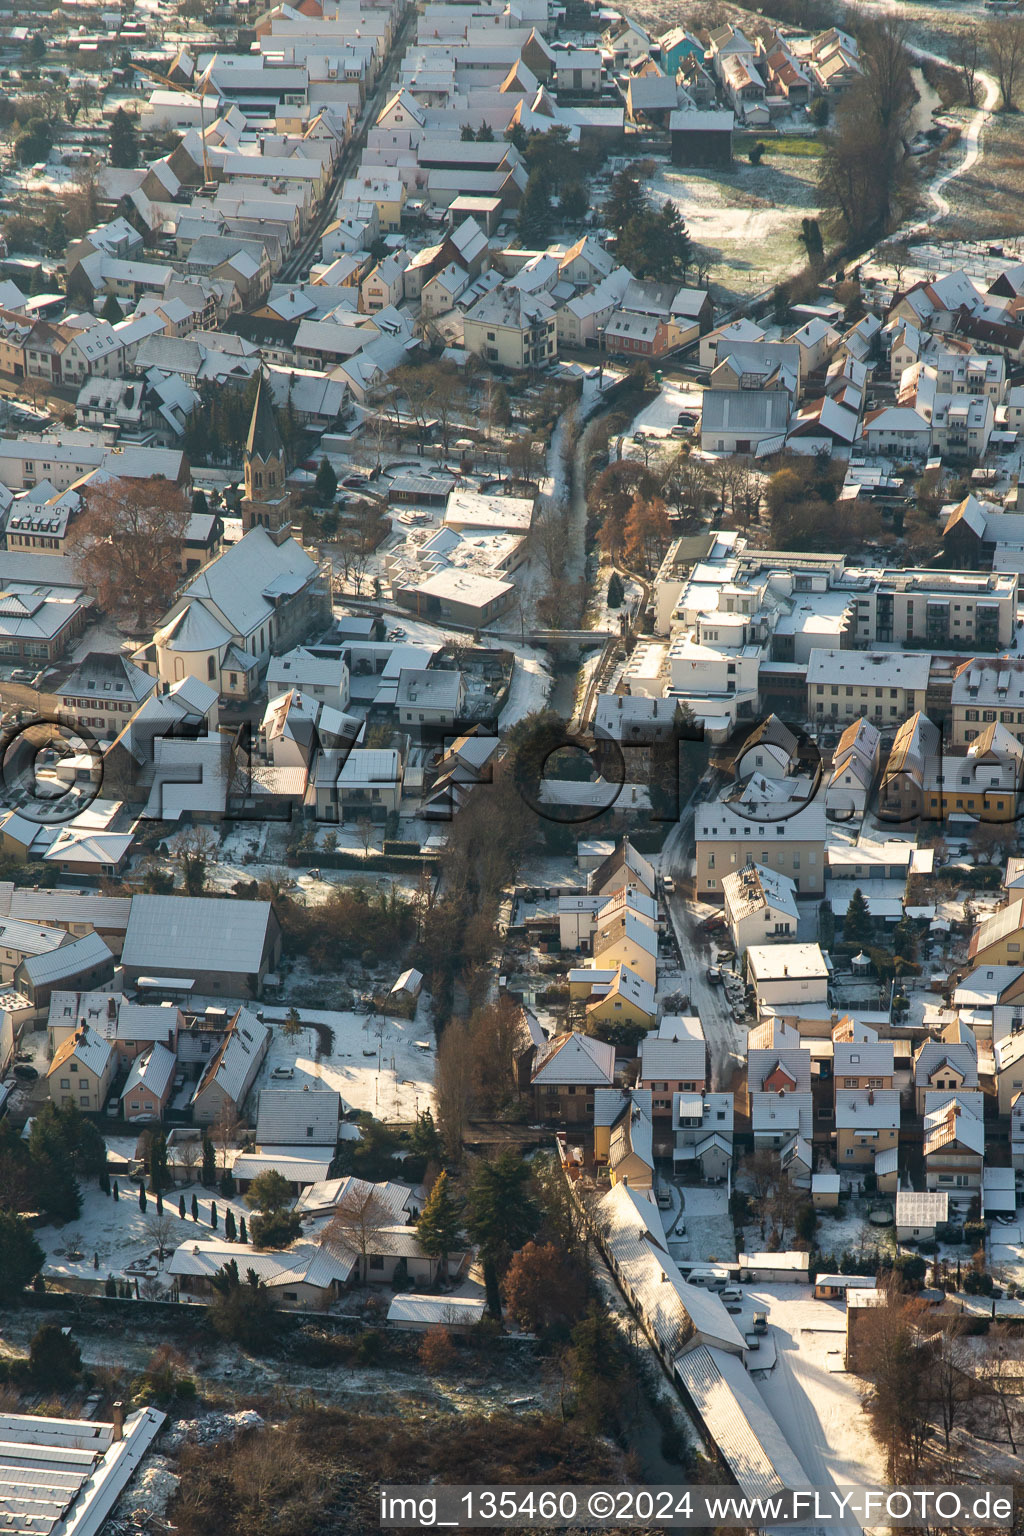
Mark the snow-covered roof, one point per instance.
(153, 1070)
(199, 933)
(297, 1117)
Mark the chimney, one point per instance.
(118, 1430)
(871, 1095)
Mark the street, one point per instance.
(727, 1039)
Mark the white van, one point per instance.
(709, 1279)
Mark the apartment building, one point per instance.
(986, 690)
(884, 687)
(786, 837)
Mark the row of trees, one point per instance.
(925, 1376)
(865, 174)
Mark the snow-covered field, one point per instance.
(399, 1089)
(749, 218)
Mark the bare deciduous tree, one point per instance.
(160, 1229)
(127, 545)
(1002, 1378)
(453, 1083)
(357, 1220)
(966, 55)
(1004, 46)
(953, 1383)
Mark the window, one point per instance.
(65, 1082)
(377, 1261)
(83, 1099)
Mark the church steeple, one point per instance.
(266, 500)
(264, 441)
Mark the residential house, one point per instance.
(998, 938)
(299, 1118)
(867, 1122)
(364, 782)
(954, 1144)
(902, 792)
(512, 328)
(747, 826)
(886, 687)
(231, 1072)
(566, 1072)
(673, 1060)
(616, 997)
(702, 1132)
(624, 1137)
(102, 692)
(862, 1065)
(760, 907)
(854, 769)
(84, 963)
(147, 1092)
(625, 939)
(81, 1071)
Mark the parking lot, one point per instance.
(1006, 1249)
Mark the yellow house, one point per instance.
(628, 940)
(866, 1123)
(624, 1136)
(17, 834)
(82, 1070)
(1009, 1062)
(999, 938)
(626, 999)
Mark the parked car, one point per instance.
(283, 1072)
(760, 1322)
(669, 885)
(26, 1073)
(714, 975)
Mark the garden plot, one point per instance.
(374, 1062)
(124, 1240)
(709, 1231)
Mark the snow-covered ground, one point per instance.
(1006, 1250)
(123, 1238)
(818, 1410)
(401, 1087)
(662, 413)
(529, 690)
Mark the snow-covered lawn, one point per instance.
(401, 1088)
(123, 1238)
